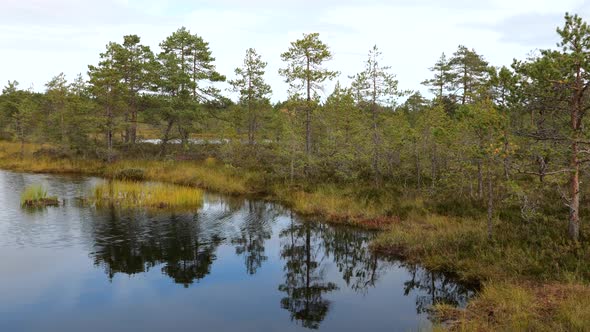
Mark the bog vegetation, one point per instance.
(130, 194)
(36, 196)
(484, 179)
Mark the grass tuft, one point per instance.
(36, 196)
(150, 195)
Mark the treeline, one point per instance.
(507, 137)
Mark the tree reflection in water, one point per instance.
(434, 288)
(254, 231)
(304, 285)
(349, 249)
(134, 242)
(184, 247)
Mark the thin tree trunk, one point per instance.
(576, 121)
(479, 180)
(433, 169)
(166, 137)
(62, 125)
(574, 217)
(109, 134)
(376, 149)
(308, 114)
(490, 203)
(133, 125)
(22, 148)
(376, 140)
(418, 166)
(464, 99)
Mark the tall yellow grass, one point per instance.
(151, 195)
(207, 174)
(36, 195)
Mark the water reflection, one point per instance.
(254, 231)
(132, 242)
(135, 242)
(240, 264)
(434, 288)
(359, 266)
(303, 250)
(184, 247)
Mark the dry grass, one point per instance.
(529, 283)
(342, 205)
(151, 195)
(441, 243)
(207, 174)
(512, 306)
(10, 159)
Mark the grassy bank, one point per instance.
(532, 277)
(207, 174)
(335, 204)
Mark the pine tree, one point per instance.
(56, 96)
(106, 86)
(375, 88)
(305, 71)
(186, 75)
(469, 71)
(443, 77)
(136, 64)
(254, 92)
(20, 108)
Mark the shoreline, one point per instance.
(453, 245)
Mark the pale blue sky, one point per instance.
(41, 38)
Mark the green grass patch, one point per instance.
(36, 196)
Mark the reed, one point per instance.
(36, 196)
(127, 194)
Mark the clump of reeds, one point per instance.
(36, 196)
(151, 195)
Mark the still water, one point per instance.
(232, 265)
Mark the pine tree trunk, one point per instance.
(418, 166)
(308, 114)
(490, 203)
(576, 121)
(164, 142)
(376, 149)
(433, 170)
(479, 180)
(133, 127)
(574, 217)
(22, 148)
(109, 134)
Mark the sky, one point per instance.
(41, 38)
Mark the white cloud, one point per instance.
(42, 38)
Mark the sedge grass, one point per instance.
(36, 195)
(127, 194)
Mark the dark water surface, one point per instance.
(233, 265)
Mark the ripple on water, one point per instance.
(234, 264)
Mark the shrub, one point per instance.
(130, 174)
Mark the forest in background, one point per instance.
(490, 136)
